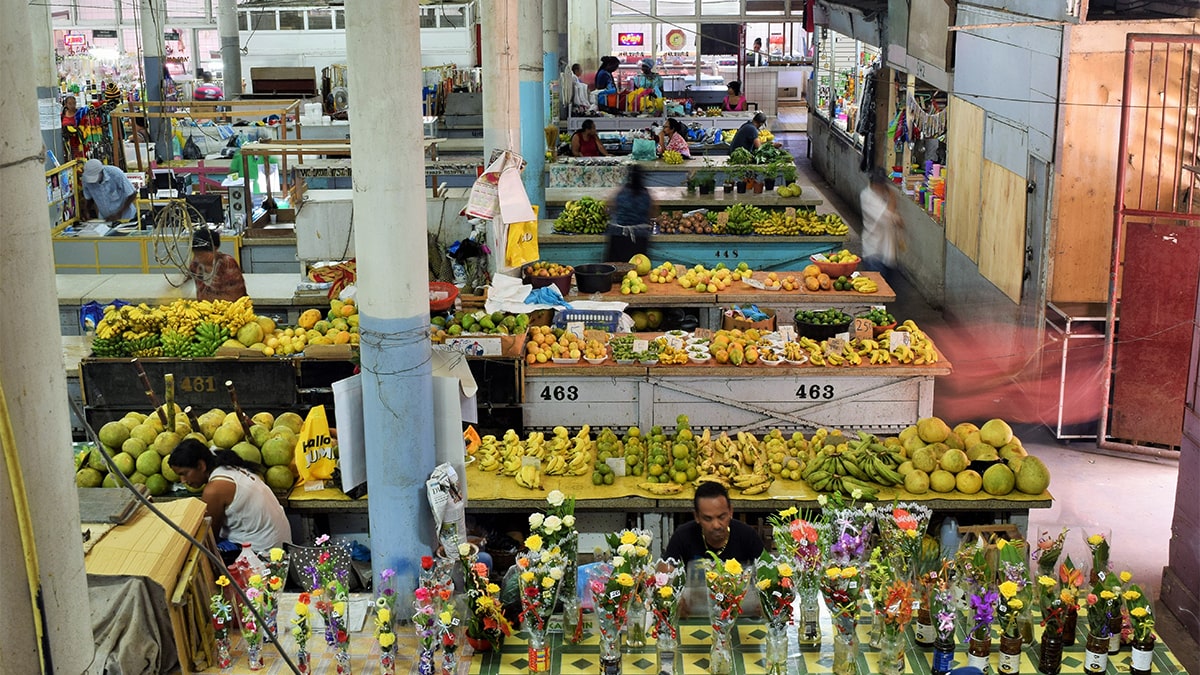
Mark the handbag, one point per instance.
(644, 149)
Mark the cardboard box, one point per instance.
(343, 351)
(789, 92)
(731, 322)
(485, 345)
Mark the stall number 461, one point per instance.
(815, 392)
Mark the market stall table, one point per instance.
(610, 172)
(669, 198)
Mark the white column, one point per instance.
(35, 391)
(533, 102)
(154, 21)
(46, 75)
(501, 97)
(231, 50)
(393, 284)
(550, 70)
(584, 34)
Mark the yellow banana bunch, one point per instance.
(487, 455)
(863, 284)
(661, 488)
(556, 465)
(529, 477)
(833, 224)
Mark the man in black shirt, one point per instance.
(714, 530)
(747, 134)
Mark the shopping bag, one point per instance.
(522, 242)
(644, 149)
(316, 456)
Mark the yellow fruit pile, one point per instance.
(672, 157)
(633, 284)
(663, 274)
(546, 343)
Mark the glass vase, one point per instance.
(776, 662)
(539, 650)
(1116, 622)
(845, 652)
(341, 658)
(450, 656)
(1070, 626)
(224, 660)
(891, 653)
(720, 657)
(1050, 654)
(1141, 655)
(943, 655)
(572, 616)
(608, 624)
(923, 630)
(875, 636)
(1095, 654)
(808, 631)
(979, 651)
(635, 624)
(387, 660)
(303, 661)
(1010, 654)
(271, 618)
(254, 656)
(1025, 625)
(425, 661)
(665, 647)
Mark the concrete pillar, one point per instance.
(154, 21)
(46, 76)
(501, 98)
(562, 32)
(393, 299)
(35, 392)
(550, 69)
(533, 103)
(584, 34)
(231, 49)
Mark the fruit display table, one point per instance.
(610, 172)
(731, 120)
(670, 198)
(760, 252)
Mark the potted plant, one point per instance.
(770, 171)
(788, 173)
(692, 182)
(707, 180)
(742, 175)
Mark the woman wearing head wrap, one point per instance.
(649, 85)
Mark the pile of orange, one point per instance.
(816, 280)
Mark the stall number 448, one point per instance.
(559, 393)
(815, 392)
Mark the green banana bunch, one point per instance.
(110, 347)
(585, 215)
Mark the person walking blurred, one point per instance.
(883, 228)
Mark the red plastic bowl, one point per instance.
(441, 295)
(835, 270)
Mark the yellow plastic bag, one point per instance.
(522, 244)
(316, 455)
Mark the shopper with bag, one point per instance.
(242, 507)
(883, 228)
(672, 138)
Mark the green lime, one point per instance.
(597, 478)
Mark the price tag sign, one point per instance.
(674, 342)
(617, 464)
(820, 257)
(898, 338)
(788, 333)
(879, 307)
(614, 595)
(575, 328)
(531, 461)
(314, 485)
(862, 329)
(835, 345)
(854, 274)
(844, 336)
(640, 346)
(702, 333)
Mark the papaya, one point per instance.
(309, 318)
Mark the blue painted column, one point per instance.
(533, 102)
(393, 289)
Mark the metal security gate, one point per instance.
(1156, 246)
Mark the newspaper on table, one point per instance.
(449, 508)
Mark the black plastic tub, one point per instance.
(594, 278)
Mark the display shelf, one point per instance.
(635, 123)
(669, 198)
(760, 252)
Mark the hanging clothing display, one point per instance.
(866, 118)
(924, 124)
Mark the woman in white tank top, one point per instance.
(243, 509)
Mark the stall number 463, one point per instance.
(559, 393)
(815, 392)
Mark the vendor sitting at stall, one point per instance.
(733, 101)
(217, 275)
(714, 530)
(586, 142)
(747, 135)
(649, 82)
(604, 82)
(108, 192)
(242, 508)
(672, 138)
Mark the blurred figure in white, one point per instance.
(883, 229)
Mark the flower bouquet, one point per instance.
(776, 585)
(1104, 621)
(633, 546)
(799, 535)
(301, 631)
(486, 624)
(727, 586)
(901, 530)
(842, 588)
(385, 634)
(450, 616)
(556, 527)
(663, 589)
(250, 628)
(222, 617)
(1071, 579)
(540, 579)
(1052, 601)
(1049, 548)
(1141, 616)
(895, 608)
(613, 585)
(276, 562)
(849, 529)
(333, 579)
(1097, 543)
(881, 571)
(425, 625)
(942, 610)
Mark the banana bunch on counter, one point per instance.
(919, 351)
(569, 456)
(864, 285)
(528, 476)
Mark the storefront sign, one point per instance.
(631, 39)
(676, 39)
(172, 36)
(104, 34)
(74, 40)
